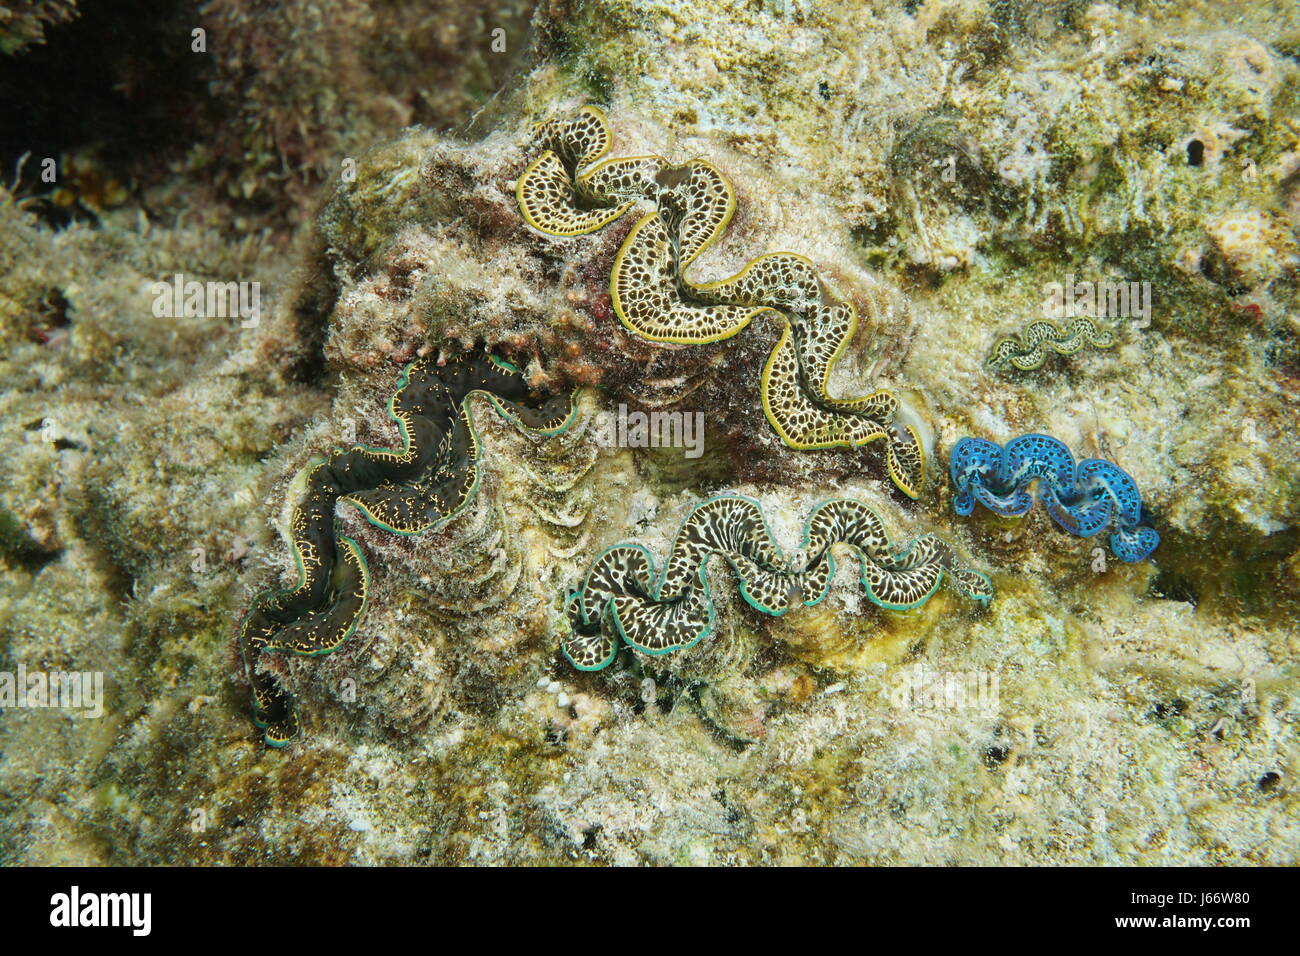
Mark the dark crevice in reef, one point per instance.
(996, 753)
(49, 315)
(18, 547)
(118, 87)
(310, 311)
(1175, 587)
(110, 563)
(1166, 710)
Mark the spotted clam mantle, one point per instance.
(568, 191)
(420, 487)
(1082, 499)
(624, 600)
(1030, 349)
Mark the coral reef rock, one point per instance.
(950, 169)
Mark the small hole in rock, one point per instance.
(994, 756)
(1175, 708)
(1195, 153)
